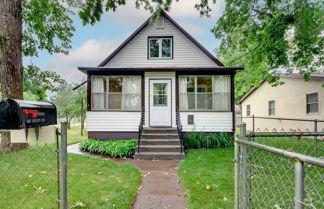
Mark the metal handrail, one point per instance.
(179, 127)
(140, 128)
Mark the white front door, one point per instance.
(160, 103)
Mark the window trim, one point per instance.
(269, 108)
(248, 110)
(310, 113)
(106, 88)
(149, 48)
(213, 93)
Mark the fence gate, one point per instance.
(35, 176)
(279, 170)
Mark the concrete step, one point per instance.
(160, 136)
(160, 142)
(160, 130)
(159, 156)
(160, 148)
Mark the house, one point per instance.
(295, 99)
(158, 72)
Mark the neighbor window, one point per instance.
(116, 92)
(272, 106)
(205, 93)
(248, 110)
(312, 103)
(160, 47)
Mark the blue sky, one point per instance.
(91, 44)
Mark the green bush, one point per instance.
(114, 148)
(196, 140)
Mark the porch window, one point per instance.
(116, 92)
(160, 47)
(205, 93)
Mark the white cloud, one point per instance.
(91, 53)
(129, 14)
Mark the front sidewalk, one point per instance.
(160, 187)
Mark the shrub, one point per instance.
(114, 148)
(196, 140)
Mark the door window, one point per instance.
(160, 94)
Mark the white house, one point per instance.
(160, 71)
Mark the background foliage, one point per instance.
(268, 37)
(68, 102)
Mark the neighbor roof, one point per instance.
(164, 14)
(315, 77)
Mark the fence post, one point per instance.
(236, 169)
(315, 138)
(299, 184)
(64, 165)
(245, 195)
(253, 123)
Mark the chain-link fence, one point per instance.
(30, 174)
(279, 169)
(284, 125)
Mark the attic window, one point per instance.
(160, 47)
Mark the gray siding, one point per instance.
(185, 52)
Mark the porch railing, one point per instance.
(140, 128)
(179, 127)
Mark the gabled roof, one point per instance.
(314, 77)
(164, 14)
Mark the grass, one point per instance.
(74, 135)
(28, 179)
(208, 178)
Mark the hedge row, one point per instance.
(196, 140)
(114, 148)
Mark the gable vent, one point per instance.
(159, 23)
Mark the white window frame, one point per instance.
(160, 47)
(107, 93)
(196, 97)
(312, 103)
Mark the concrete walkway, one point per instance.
(160, 187)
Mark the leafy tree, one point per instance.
(268, 36)
(38, 82)
(68, 103)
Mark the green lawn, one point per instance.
(208, 178)
(28, 179)
(74, 135)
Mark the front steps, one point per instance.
(160, 144)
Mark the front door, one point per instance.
(160, 103)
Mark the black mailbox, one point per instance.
(20, 114)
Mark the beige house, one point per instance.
(295, 99)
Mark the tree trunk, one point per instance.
(11, 69)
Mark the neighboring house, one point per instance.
(294, 99)
(159, 69)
